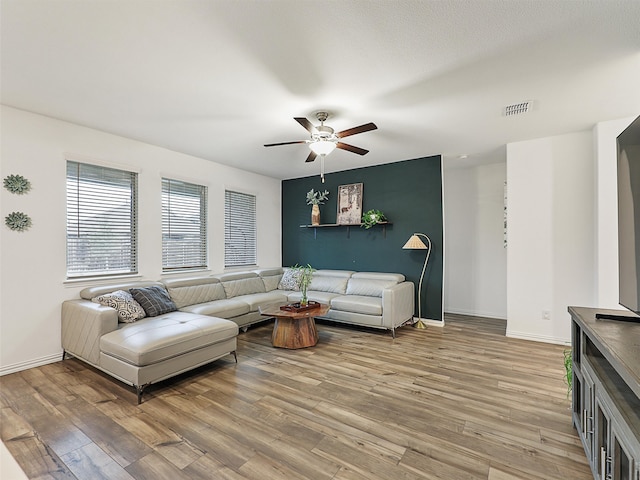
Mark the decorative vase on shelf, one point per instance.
(315, 199)
(315, 215)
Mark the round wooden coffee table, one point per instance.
(294, 329)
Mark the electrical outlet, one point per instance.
(546, 315)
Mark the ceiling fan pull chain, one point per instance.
(322, 167)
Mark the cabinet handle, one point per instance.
(603, 461)
(610, 474)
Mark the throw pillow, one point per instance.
(155, 300)
(290, 280)
(128, 309)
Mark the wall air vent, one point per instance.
(517, 108)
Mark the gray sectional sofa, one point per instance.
(371, 299)
(148, 350)
(207, 314)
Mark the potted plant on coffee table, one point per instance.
(305, 275)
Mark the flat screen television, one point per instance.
(629, 216)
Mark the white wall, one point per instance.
(32, 279)
(605, 134)
(476, 260)
(551, 233)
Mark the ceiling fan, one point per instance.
(324, 140)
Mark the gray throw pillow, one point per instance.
(155, 300)
(128, 309)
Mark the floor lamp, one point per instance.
(414, 243)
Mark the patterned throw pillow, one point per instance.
(290, 280)
(155, 300)
(128, 309)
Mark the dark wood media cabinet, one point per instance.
(606, 392)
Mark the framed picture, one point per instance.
(349, 204)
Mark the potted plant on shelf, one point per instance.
(304, 275)
(371, 218)
(316, 198)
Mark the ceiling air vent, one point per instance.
(517, 108)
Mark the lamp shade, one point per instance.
(414, 243)
(322, 147)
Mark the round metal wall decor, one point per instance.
(17, 184)
(18, 221)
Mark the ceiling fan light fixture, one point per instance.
(322, 147)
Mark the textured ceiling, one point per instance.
(218, 79)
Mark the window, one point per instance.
(101, 221)
(184, 225)
(239, 229)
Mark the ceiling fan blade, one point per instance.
(352, 131)
(284, 143)
(306, 124)
(351, 148)
(312, 156)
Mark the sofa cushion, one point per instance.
(189, 291)
(357, 304)
(354, 318)
(322, 297)
(270, 277)
(94, 291)
(335, 273)
(155, 300)
(125, 305)
(290, 280)
(271, 282)
(329, 283)
(155, 339)
(256, 300)
(236, 284)
(227, 308)
(397, 277)
(368, 287)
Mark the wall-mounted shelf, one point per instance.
(348, 226)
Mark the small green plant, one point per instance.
(372, 217)
(568, 370)
(304, 280)
(317, 198)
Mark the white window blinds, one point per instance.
(101, 221)
(184, 225)
(240, 236)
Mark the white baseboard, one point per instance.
(537, 338)
(475, 313)
(36, 362)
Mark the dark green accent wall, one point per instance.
(410, 195)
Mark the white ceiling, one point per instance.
(218, 79)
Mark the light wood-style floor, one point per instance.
(460, 402)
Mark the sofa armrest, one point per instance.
(398, 304)
(83, 323)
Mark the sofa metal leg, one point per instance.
(139, 391)
(393, 332)
(235, 356)
(64, 354)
